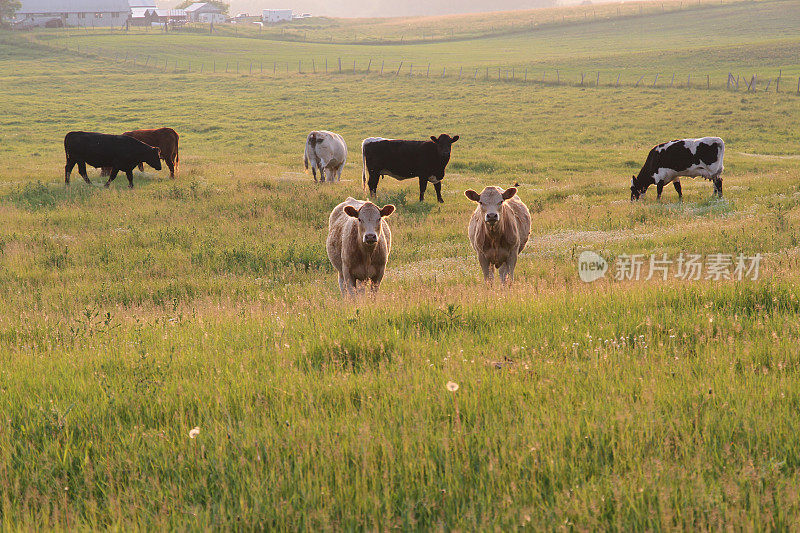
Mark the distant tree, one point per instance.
(219, 4)
(7, 10)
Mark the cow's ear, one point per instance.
(433, 138)
(510, 192)
(387, 210)
(454, 139)
(472, 195)
(350, 210)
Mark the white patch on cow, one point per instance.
(372, 140)
(668, 175)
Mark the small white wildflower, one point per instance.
(194, 432)
(452, 386)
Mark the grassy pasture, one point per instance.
(130, 317)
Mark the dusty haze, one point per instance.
(384, 8)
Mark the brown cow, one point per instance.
(498, 230)
(165, 139)
(359, 242)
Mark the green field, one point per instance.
(129, 317)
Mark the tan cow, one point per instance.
(327, 152)
(498, 230)
(359, 242)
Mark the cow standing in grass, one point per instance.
(119, 152)
(327, 152)
(404, 160)
(498, 230)
(165, 139)
(358, 244)
(667, 162)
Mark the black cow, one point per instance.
(404, 160)
(667, 162)
(119, 152)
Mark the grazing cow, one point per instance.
(403, 160)
(498, 230)
(165, 139)
(687, 157)
(359, 242)
(325, 150)
(119, 152)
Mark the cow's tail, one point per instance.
(363, 167)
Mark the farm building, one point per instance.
(211, 18)
(170, 16)
(88, 13)
(199, 8)
(272, 16)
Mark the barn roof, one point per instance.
(170, 12)
(205, 6)
(74, 6)
(141, 12)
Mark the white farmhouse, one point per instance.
(198, 8)
(88, 13)
(271, 16)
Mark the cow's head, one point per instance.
(443, 143)
(639, 188)
(491, 201)
(154, 158)
(369, 221)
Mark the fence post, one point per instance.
(411, 69)
(778, 81)
(558, 78)
(655, 80)
(597, 82)
(444, 70)
(638, 82)
(618, 75)
(526, 76)
(689, 81)
(354, 66)
(708, 82)
(237, 67)
(460, 69)
(340, 65)
(798, 85)
(299, 66)
(214, 66)
(147, 60)
(428, 74)
(274, 67)
(326, 65)
(369, 65)
(487, 73)
(582, 76)
(398, 69)
(728, 82)
(382, 61)
(313, 65)
(513, 74)
(251, 67)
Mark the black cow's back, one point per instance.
(403, 159)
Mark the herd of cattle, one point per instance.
(359, 239)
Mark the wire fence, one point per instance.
(273, 67)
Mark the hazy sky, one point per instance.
(383, 8)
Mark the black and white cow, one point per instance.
(404, 160)
(667, 162)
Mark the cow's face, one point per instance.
(154, 158)
(443, 144)
(637, 190)
(490, 202)
(369, 221)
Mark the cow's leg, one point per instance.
(718, 186)
(423, 184)
(349, 281)
(68, 170)
(659, 189)
(342, 285)
(171, 166)
(112, 176)
(82, 172)
(372, 184)
(488, 270)
(677, 185)
(141, 167)
(376, 282)
(438, 187)
(314, 172)
(507, 277)
(129, 173)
